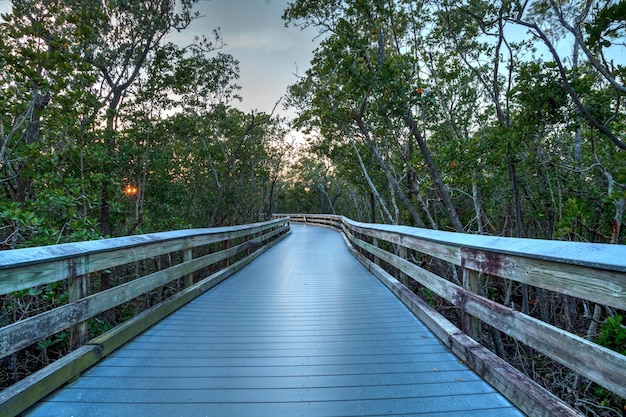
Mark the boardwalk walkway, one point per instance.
(304, 330)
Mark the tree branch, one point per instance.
(569, 89)
(575, 31)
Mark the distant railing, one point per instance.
(592, 272)
(189, 254)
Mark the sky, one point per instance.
(269, 54)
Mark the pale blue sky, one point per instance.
(269, 54)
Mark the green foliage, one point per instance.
(174, 136)
(608, 24)
(52, 348)
(431, 297)
(98, 326)
(613, 334)
(539, 94)
(574, 215)
(60, 338)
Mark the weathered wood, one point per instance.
(331, 342)
(25, 393)
(426, 278)
(78, 289)
(448, 253)
(29, 276)
(601, 365)
(402, 253)
(527, 395)
(187, 257)
(601, 286)
(30, 267)
(121, 334)
(593, 255)
(470, 283)
(375, 244)
(26, 332)
(592, 272)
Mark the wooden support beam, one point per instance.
(78, 289)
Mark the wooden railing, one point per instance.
(189, 254)
(592, 272)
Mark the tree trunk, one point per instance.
(519, 231)
(374, 192)
(435, 174)
(477, 208)
(392, 180)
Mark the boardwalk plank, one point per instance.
(279, 371)
(259, 395)
(303, 330)
(251, 382)
(271, 361)
(371, 408)
(273, 351)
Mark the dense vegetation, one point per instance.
(498, 117)
(108, 129)
(492, 117)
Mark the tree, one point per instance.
(509, 114)
(42, 78)
(124, 35)
(593, 29)
(375, 52)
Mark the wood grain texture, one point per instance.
(27, 392)
(304, 330)
(26, 268)
(593, 272)
(582, 278)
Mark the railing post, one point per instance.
(225, 246)
(188, 256)
(472, 324)
(375, 243)
(78, 289)
(364, 251)
(404, 254)
(250, 238)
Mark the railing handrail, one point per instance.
(34, 255)
(74, 262)
(597, 271)
(593, 272)
(593, 255)
(80, 258)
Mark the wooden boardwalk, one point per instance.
(305, 330)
